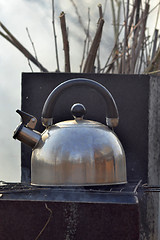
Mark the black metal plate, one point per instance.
(67, 220)
(131, 93)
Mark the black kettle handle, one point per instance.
(112, 116)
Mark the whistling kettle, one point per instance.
(75, 152)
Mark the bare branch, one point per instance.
(100, 11)
(85, 47)
(98, 50)
(55, 37)
(21, 48)
(33, 48)
(89, 64)
(125, 38)
(111, 65)
(105, 4)
(114, 19)
(154, 43)
(79, 17)
(65, 42)
(32, 43)
(132, 17)
(88, 38)
(142, 34)
(151, 66)
(157, 16)
(30, 65)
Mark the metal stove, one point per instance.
(70, 213)
(117, 194)
(120, 212)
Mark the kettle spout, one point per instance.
(24, 132)
(27, 136)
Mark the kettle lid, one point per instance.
(78, 111)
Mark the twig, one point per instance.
(89, 64)
(149, 45)
(105, 4)
(30, 66)
(114, 19)
(158, 4)
(9, 37)
(132, 58)
(79, 17)
(147, 48)
(155, 43)
(125, 38)
(136, 47)
(55, 37)
(158, 71)
(135, 30)
(143, 18)
(150, 67)
(83, 55)
(65, 42)
(137, 13)
(141, 60)
(114, 59)
(48, 220)
(32, 44)
(88, 39)
(100, 11)
(132, 17)
(142, 34)
(98, 51)
(98, 61)
(35, 54)
(124, 10)
(157, 16)
(6, 37)
(116, 27)
(85, 42)
(113, 53)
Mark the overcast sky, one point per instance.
(36, 15)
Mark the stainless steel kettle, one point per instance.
(75, 152)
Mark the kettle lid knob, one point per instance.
(78, 110)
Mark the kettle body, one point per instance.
(77, 152)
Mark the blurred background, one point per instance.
(31, 23)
